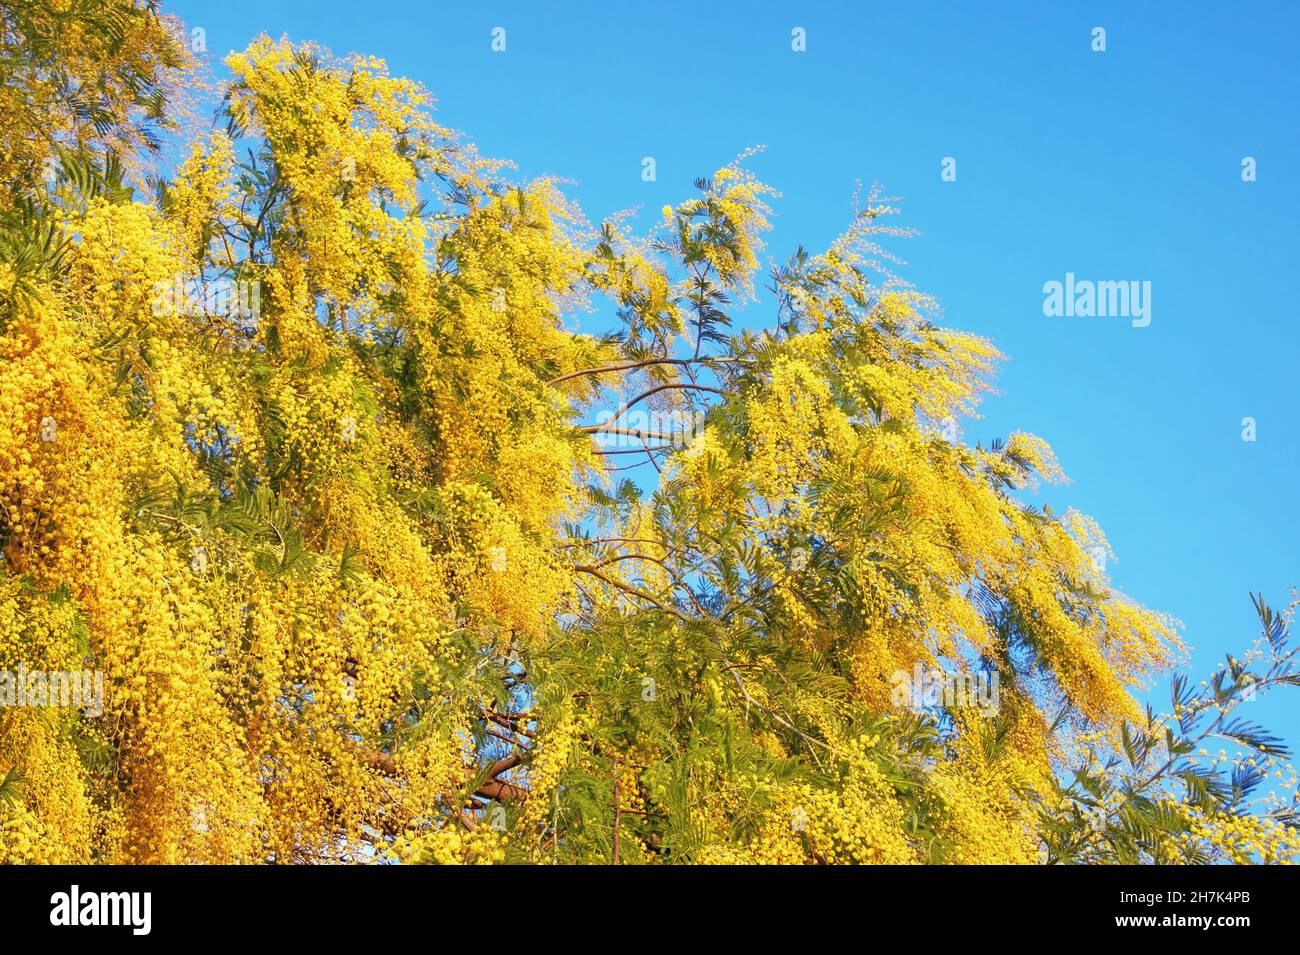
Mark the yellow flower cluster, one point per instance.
(264, 533)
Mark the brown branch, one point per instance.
(495, 788)
(629, 589)
(628, 366)
(588, 541)
(495, 734)
(619, 557)
(670, 386)
(631, 432)
(618, 809)
(466, 820)
(645, 450)
(510, 721)
(650, 457)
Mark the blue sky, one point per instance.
(1120, 165)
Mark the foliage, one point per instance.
(365, 580)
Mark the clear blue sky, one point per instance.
(1117, 165)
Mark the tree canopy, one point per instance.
(382, 558)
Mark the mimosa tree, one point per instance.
(380, 559)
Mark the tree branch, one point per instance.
(629, 589)
(628, 366)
